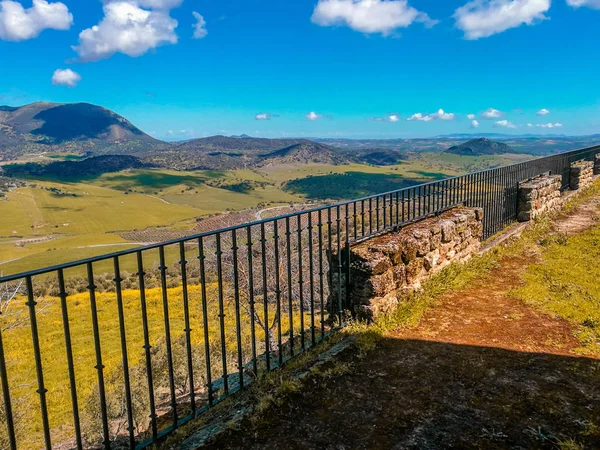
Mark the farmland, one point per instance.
(58, 220)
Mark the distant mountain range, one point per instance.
(89, 130)
(480, 147)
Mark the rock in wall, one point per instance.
(582, 173)
(385, 267)
(539, 196)
(597, 164)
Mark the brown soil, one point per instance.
(480, 371)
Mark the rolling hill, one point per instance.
(480, 147)
(223, 153)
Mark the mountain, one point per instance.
(223, 153)
(479, 147)
(380, 157)
(89, 167)
(75, 127)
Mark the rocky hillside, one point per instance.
(76, 127)
(480, 147)
(224, 153)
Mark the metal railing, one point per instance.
(122, 349)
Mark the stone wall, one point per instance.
(597, 164)
(386, 267)
(582, 173)
(539, 196)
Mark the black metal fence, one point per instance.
(119, 350)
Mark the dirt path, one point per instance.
(480, 371)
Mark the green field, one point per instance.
(55, 221)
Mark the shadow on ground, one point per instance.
(416, 394)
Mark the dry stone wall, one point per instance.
(385, 268)
(539, 196)
(582, 174)
(597, 164)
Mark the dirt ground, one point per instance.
(480, 371)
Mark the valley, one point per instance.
(78, 180)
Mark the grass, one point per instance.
(565, 283)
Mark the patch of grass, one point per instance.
(565, 283)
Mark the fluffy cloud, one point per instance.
(543, 112)
(19, 24)
(158, 4)
(474, 124)
(549, 125)
(483, 18)
(491, 113)
(393, 118)
(440, 115)
(126, 28)
(199, 30)
(65, 77)
(505, 124)
(471, 116)
(589, 3)
(368, 16)
(263, 116)
(313, 116)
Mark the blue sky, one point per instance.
(362, 67)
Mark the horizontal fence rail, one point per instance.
(119, 350)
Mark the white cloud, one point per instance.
(543, 112)
(65, 77)
(420, 117)
(505, 124)
(159, 4)
(126, 28)
(263, 116)
(199, 30)
(483, 18)
(530, 125)
(369, 16)
(491, 113)
(471, 116)
(439, 115)
(313, 116)
(19, 24)
(393, 118)
(474, 124)
(549, 125)
(589, 3)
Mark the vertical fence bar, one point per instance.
(288, 245)
(277, 292)
(301, 284)
(339, 262)
(363, 221)
(69, 351)
(202, 259)
(124, 358)
(187, 327)
(147, 347)
(10, 424)
(31, 303)
(97, 347)
(236, 298)
(322, 299)
(251, 300)
(219, 255)
(263, 242)
(354, 220)
(348, 253)
(165, 301)
(311, 280)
